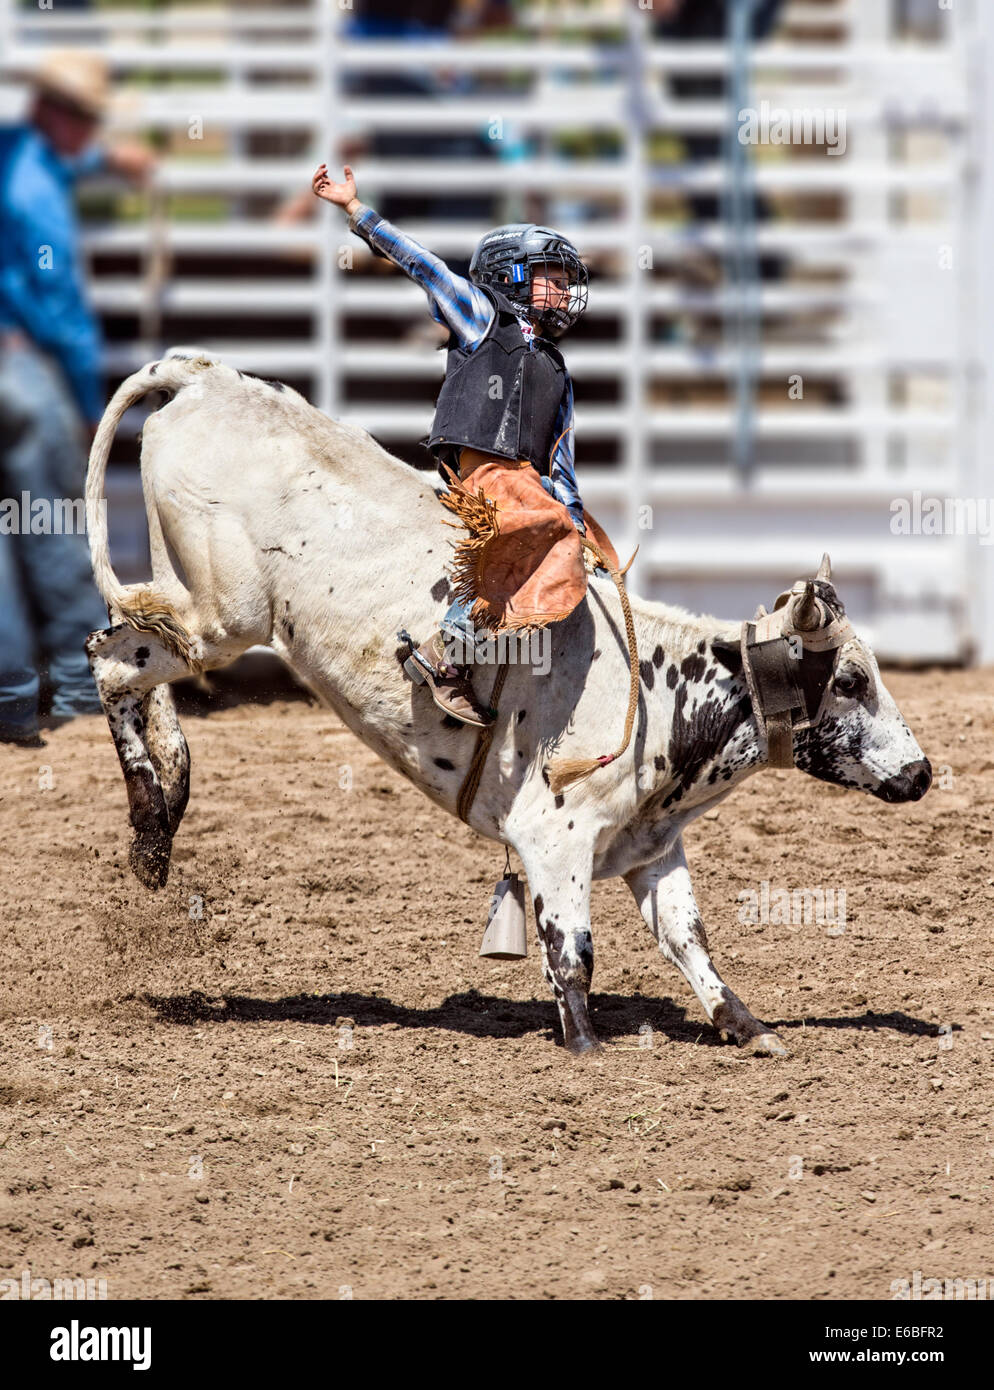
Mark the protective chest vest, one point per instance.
(501, 398)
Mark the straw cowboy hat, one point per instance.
(75, 76)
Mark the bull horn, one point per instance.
(805, 614)
(825, 568)
(760, 613)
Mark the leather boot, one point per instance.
(451, 686)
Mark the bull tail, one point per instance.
(141, 607)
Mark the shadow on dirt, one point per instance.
(486, 1016)
(477, 1015)
(899, 1022)
(257, 678)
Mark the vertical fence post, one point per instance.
(327, 148)
(741, 260)
(979, 436)
(637, 134)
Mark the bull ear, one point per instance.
(825, 568)
(727, 653)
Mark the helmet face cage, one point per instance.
(508, 258)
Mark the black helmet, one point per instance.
(506, 257)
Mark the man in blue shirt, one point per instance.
(51, 392)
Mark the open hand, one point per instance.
(344, 194)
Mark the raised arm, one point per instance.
(454, 301)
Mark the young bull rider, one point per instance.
(504, 418)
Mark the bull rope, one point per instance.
(562, 771)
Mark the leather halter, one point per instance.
(770, 660)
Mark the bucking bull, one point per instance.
(271, 524)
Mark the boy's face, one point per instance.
(550, 287)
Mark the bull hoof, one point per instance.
(581, 1046)
(149, 858)
(768, 1045)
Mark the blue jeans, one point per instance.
(48, 601)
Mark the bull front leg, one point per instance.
(560, 889)
(665, 897)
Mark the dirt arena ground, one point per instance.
(290, 1075)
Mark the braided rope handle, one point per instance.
(564, 771)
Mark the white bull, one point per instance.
(271, 524)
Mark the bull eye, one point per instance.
(850, 684)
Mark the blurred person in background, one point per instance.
(51, 389)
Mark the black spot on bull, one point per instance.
(692, 668)
(698, 738)
(658, 657)
(823, 750)
(440, 590)
(647, 673)
(698, 933)
(672, 676)
(444, 764)
(560, 802)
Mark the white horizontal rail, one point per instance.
(605, 106)
(424, 55)
(685, 363)
(818, 483)
(176, 19)
(902, 553)
(397, 298)
(597, 176)
(399, 422)
(611, 16)
(544, 16)
(831, 242)
(292, 108)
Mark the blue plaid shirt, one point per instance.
(462, 307)
(43, 295)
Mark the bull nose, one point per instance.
(921, 778)
(910, 784)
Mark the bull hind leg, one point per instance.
(127, 667)
(168, 751)
(665, 897)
